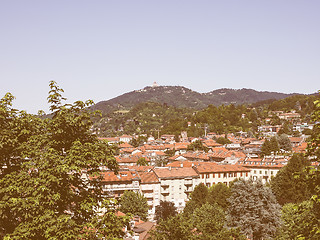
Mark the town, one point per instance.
(163, 169)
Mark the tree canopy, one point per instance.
(45, 167)
(134, 203)
(287, 186)
(254, 209)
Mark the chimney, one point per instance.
(170, 168)
(181, 164)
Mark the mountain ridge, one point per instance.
(180, 96)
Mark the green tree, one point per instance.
(266, 148)
(254, 209)
(197, 145)
(286, 186)
(314, 140)
(219, 193)
(175, 227)
(302, 221)
(274, 145)
(165, 210)
(209, 223)
(44, 187)
(142, 162)
(197, 198)
(298, 222)
(284, 142)
(223, 140)
(134, 203)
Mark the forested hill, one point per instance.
(182, 97)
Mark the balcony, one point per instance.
(188, 190)
(188, 182)
(164, 183)
(165, 191)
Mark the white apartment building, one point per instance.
(176, 184)
(212, 173)
(150, 188)
(263, 169)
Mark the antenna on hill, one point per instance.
(155, 84)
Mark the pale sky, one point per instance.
(101, 49)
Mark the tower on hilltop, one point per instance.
(155, 84)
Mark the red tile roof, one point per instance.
(210, 167)
(123, 176)
(148, 177)
(170, 173)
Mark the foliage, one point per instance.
(286, 186)
(254, 209)
(44, 193)
(270, 146)
(223, 140)
(197, 146)
(142, 162)
(299, 222)
(207, 222)
(284, 142)
(197, 198)
(165, 210)
(140, 140)
(219, 193)
(175, 227)
(134, 203)
(314, 141)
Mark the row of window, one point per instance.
(224, 175)
(260, 172)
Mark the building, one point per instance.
(176, 184)
(212, 173)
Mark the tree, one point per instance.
(175, 227)
(284, 142)
(134, 203)
(254, 209)
(298, 222)
(314, 141)
(142, 162)
(209, 223)
(286, 186)
(165, 210)
(197, 145)
(45, 167)
(219, 193)
(223, 140)
(197, 198)
(266, 148)
(274, 145)
(302, 221)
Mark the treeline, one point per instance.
(153, 118)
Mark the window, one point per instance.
(218, 175)
(208, 184)
(246, 174)
(241, 174)
(271, 172)
(207, 175)
(266, 172)
(260, 172)
(255, 171)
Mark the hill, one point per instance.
(182, 97)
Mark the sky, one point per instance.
(100, 49)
